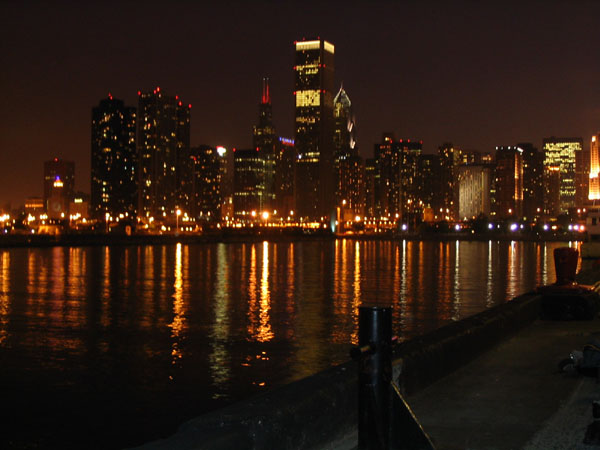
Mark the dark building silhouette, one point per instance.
(508, 182)
(533, 182)
(248, 182)
(313, 90)
(165, 168)
(59, 187)
(206, 197)
(114, 174)
(447, 204)
(266, 142)
(285, 177)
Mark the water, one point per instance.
(107, 347)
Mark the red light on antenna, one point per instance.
(157, 88)
(110, 95)
(180, 103)
(154, 91)
(408, 140)
(234, 149)
(421, 142)
(139, 92)
(400, 140)
(190, 106)
(256, 148)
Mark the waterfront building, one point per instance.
(165, 166)
(582, 176)
(313, 90)
(562, 153)
(508, 181)
(370, 183)
(474, 190)
(266, 142)
(35, 206)
(552, 197)
(59, 186)
(248, 183)
(206, 199)
(594, 180)
(114, 174)
(447, 203)
(285, 165)
(533, 182)
(429, 180)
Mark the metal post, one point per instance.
(374, 376)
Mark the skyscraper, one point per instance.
(509, 182)
(560, 153)
(347, 164)
(248, 184)
(533, 181)
(265, 141)
(594, 189)
(114, 182)
(59, 186)
(314, 78)
(447, 203)
(165, 167)
(206, 198)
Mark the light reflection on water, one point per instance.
(169, 332)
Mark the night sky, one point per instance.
(478, 75)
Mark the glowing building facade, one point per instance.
(594, 180)
(248, 182)
(560, 156)
(59, 187)
(113, 178)
(474, 190)
(165, 167)
(313, 90)
(206, 198)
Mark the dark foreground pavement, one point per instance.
(513, 396)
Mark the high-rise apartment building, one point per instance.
(114, 173)
(533, 182)
(561, 153)
(594, 181)
(266, 142)
(474, 190)
(59, 187)
(284, 177)
(206, 198)
(165, 166)
(313, 90)
(450, 159)
(508, 200)
(582, 177)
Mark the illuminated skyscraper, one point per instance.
(165, 166)
(450, 158)
(265, 141)
(284, 177)
(114, 182)
(594, 190)
(314, 78)
(59, 187)
(345, 157)
(509, 182)
(561, 153)
(474, 190)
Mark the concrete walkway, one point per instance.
(514, 397)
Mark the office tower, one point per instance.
(345, 152)
(474, 190)
(114, 174)
(508, 182)
(163, 154)
(284, 177)
(533, 182)
(314, 78)
(248, 183)
(59, 187)
(447, 203)
(594, 183)
(582, 177)
(561, 153)
(206, 199)
(266, 142)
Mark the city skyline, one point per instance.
(478, 76)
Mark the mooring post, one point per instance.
(374, 356)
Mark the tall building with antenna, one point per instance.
(313, 90)
(266, 143)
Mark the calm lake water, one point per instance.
(108, 347)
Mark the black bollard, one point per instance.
(565, 263)
(374, 376)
